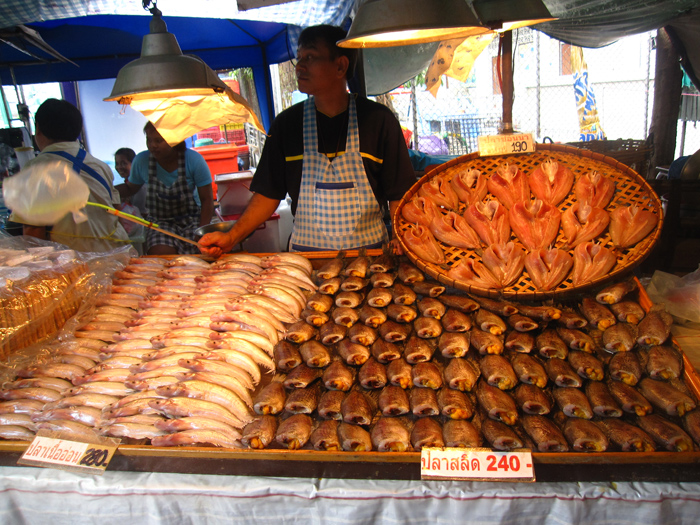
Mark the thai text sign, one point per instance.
(60, 453)
(476, 464)
(506, 144)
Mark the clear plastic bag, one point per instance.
(45, 192)
(680, 295)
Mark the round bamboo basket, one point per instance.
(630, 189)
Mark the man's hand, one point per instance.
(216, 244)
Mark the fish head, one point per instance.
(470, 177)
(550, 168)
(507, 171)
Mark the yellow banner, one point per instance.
(455, 58)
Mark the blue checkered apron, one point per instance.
(337, 208)
(172, 208)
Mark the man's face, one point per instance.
(316, 71)
(156, 144)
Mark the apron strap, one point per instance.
(78, 165)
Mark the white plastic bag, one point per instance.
(45, 192)
(680, 295)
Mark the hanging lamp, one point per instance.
(163, 71)
(385, 23)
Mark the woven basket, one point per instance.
(631, 188)
(633, 153)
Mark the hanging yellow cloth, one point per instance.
(455, 58)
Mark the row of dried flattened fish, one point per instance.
(385, 360)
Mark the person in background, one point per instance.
(340, 157)
(172, 174)
(123, 158)
(58, 125)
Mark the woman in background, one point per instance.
(179, 196)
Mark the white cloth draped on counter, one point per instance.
(41, 496)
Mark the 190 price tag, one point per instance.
(506, 144)
(53, 452)
(476, 464)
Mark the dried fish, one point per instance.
(382, 280)
(330, 286)
(529, 370)
(628, 312)
(362, 334)
(371, 316)
(418, 350)
(498, 372)
(655, 328)
(454, 404)
(325, 436)
(456, 321)
(409, 274)
(353, 284)
(426, 374)
(460, 433)
(401, 313)
(294, 432)
(629, 399)
(572, 319)
(429, 288)
(573, 402)
(462, 374)
(486, 342)
(402, 294)
(453, 344)
(345, 316)
(519, 342)
(503, 308)
(393, 401)
(391, 434)
(303, 400)
(426, 327)
(332, 267)
(359, 266)
(271, 399)
(586, 365)
(349, 299)
(665, 397)
(620, 337)
(561, 373)
(597, 315)
(500, 436)
(550, 345)
(585, 436)
(576, 339)
(320, 302)
(372, 374)
(460, 303)
(301, 376)
(625, 436)
(625, 367)
(356, 408)
(602, 401)
(423, 402)
(399, 373)
(301, 332)
(667, 435)
(691, 423)
(354, 438)
(379, 297)
(664, 362)
(426, 432)
(315, 354)
(353, 353)
(286, 356)
(385, 352)
(522, 323)
(489, 322)
(431, 307)
(392, 331)
(331, 333)
(383, 263)
(545, 434)
(497, 404)
(533, 400)
(330, 403)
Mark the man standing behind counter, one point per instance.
(340, 157)
(58, 125)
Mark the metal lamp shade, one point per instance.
(504, 15)
(385, 23)
(163, 71)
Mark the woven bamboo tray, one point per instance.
(631, 189)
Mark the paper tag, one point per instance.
(506, 144)
(476, 464)
(59, 453)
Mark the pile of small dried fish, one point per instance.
(171, 355)
(508, 232)
(386, 360)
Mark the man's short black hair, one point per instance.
(329, 35)
(59, 120)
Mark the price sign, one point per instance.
(70, 455)
(476, 464)
(506, 144)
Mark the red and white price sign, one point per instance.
(64, 454)
(476, 464)
(506, 144)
